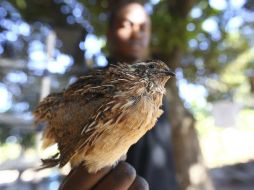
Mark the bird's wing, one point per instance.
(80, 126)
(68, 124)
(83, 104)
(44, 111)
(86, 84)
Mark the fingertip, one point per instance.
(139, 184)
(79, 177)
(125, 171)
(120, 177)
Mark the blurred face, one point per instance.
(129, 37)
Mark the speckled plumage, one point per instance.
(100, 116)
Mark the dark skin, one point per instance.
(128, 41)
(129, 35)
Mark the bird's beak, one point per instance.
(169, 73)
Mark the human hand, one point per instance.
(122, 177)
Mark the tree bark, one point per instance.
(191, 172)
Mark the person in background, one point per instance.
(128, 38)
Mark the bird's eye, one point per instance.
(151, 66)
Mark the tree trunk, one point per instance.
(191, 171)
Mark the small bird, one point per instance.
(96, 119)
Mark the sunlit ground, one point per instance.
(226, 146)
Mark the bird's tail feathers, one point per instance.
(50, 162)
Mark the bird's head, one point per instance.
(154, 71)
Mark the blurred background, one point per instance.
(45, 45)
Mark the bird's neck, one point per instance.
(155, 88)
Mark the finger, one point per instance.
(80, 179)
(139, 184)
(119, 178)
